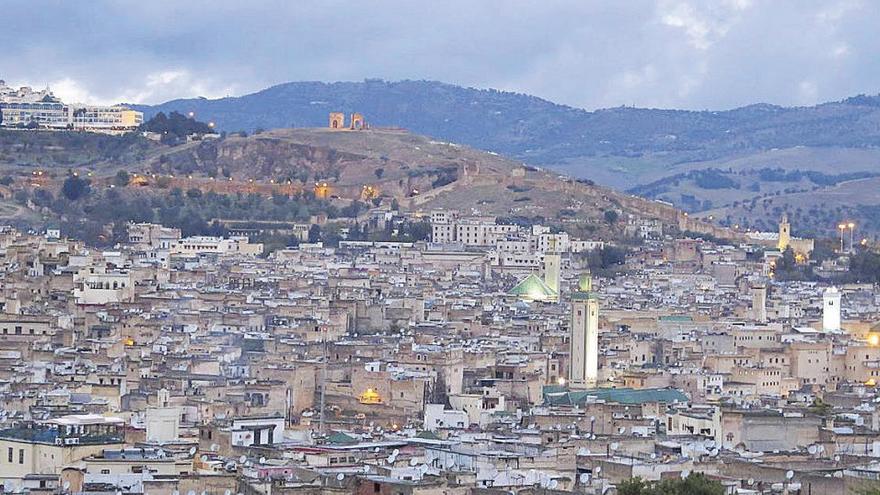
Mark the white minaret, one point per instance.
(552, 262)
(584, 355)
(759, 303)
(831, 310)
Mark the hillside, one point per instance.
(618, 147)
(296, 176)
(417, 172)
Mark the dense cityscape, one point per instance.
(439, 248)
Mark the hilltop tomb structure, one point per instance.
(356, 122)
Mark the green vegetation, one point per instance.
(694, 484)
(70, 149)
(606, 261)
(75, 187)
(175, 127)
(87, 211)
(611, 217)
(713, 179)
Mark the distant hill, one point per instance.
(618, 147)
(293, 175)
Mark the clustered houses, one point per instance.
(198, 365)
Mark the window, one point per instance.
(9, 457)
(21, 456)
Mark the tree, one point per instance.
(75, 187)
(694, 484)
(379, 172)
(314, 233)
(611, 217)
(122, 178)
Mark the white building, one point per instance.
(95, 285)
(257, 431)
(216, 245)
(831, 310)
(26, 108)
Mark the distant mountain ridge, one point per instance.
(540, 132)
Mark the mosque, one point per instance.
(782, 240)
(546, 289)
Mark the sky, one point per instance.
(591, 54)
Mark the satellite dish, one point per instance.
(424, 469)
(191, 492)
(598, 469)
(653, 455)
(584, 478)
(214, 447)
(553, 484)
(614, 445)
(413, 462)
(227, 492)
(366, 469)
(789, 474)
(713, 452)
(242, 459)
(395, 452)
(390, 459)
(340, 477)
(812, 449)
(66, 485)
(750, 481)
(204, 458)
(192, 451)
(175, 492)
(262, 460)
(450, 463)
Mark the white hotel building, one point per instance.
(27, 108)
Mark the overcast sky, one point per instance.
(590, 54)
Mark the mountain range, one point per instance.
(625, 148)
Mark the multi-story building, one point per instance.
(26, 108)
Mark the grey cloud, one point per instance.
(664, 53)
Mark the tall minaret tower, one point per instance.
(552, 262)
(831, 310)
(584, 356)
(759, 303)
(784, 233)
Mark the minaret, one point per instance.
(759, 303)
(784, 233)
(584, 356)
(831, 310)
(552, 260)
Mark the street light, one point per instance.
(841, 227)
(852, 227)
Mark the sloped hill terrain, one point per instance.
(298, 176)
(415, 171)
(620, 147)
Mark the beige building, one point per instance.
(46, 448)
